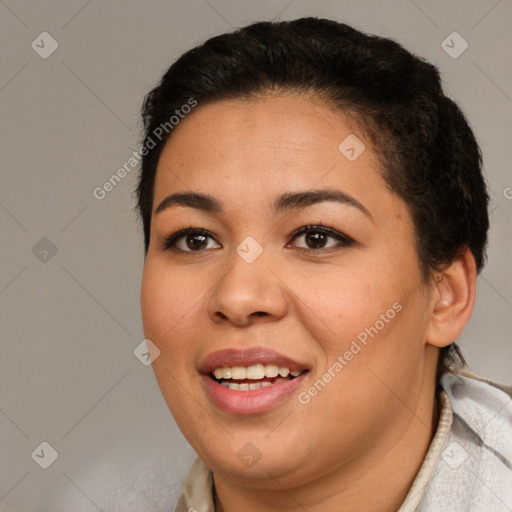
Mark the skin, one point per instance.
(359, 443)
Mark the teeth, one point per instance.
(271, 370)
(250, 387)
(284, 372)
(238, 372)
(253, 372)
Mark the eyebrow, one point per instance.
(285, 202)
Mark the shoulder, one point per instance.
(484, 409)
(474, 471)
(468, 377)
(484, 405)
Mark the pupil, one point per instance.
(191, 239)
(315, 238)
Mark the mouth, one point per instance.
(253, 377)
(250, 381)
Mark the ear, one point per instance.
(452, 300)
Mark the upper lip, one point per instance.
(248, 357)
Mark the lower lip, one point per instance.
(253, 401)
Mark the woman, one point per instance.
(315, 217)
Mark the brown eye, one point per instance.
(189, 240)
(195, 242)
(317, 238)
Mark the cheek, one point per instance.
(167, 305)
(342, 302)
(169, 300)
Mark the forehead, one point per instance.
(244, 151)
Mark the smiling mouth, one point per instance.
(253, 377)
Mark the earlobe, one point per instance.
(443, 303)
(452, 300)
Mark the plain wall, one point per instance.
(71, 320)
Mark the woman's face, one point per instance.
(342, 302)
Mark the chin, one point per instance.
(254, 457)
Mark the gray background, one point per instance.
(71, 320)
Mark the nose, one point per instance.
(247, 293)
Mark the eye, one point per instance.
(316, 237)
(198, 240)
(188, 240)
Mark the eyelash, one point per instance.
(167, 243)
